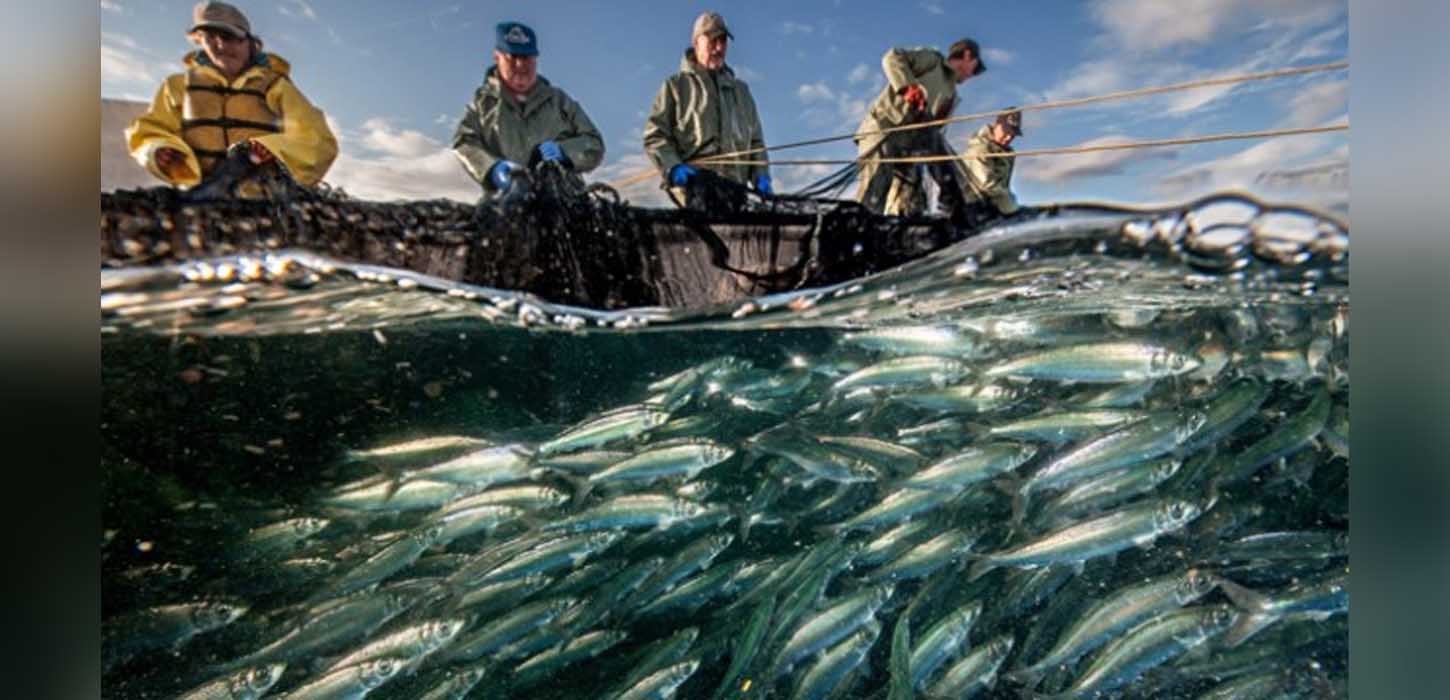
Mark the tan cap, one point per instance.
(710, 23)
(222, 17)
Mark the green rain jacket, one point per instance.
(925, 67)
(497, 127)
(700, 113)
(989, 179)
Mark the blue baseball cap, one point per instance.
(516, 38)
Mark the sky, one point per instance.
(394, 78)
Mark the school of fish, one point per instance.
(1146, 504)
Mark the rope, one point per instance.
(1060, 151)
(720, 159)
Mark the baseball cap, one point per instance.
(222, 17)
(516, 38)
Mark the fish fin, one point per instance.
(580, 486)
(980, 568)
(1021, 501)
(1247, 625)
(1008, 484)
(1247, 600)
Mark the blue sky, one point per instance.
(394, 78)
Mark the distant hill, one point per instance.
(118, 171)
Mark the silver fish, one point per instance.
(942, 641)
(1106, 534)
(837, 663)
(976, 671)
(1098, 362)
(349, 683)
(1118, 612)
(917, 370)
(971, 466)
(619, 425)
(247, 684)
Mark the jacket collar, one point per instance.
(493, 86)
(688, 64)
(260, 61)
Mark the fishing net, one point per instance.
(549, 234)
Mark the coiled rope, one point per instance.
(726, 158)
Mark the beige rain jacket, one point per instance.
(989, 179)
(700, 113)
(497, 127)
(925, 67)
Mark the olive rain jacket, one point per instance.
(699, 113)
(925, 67)
(497, 127)
(989, 179)
(201, 114)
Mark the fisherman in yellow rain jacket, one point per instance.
(988, 181)
(517, 119)
(231, 95)
(921, 87)
(704, 110)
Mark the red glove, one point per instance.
(914, 97)
(260, 154)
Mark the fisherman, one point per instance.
(517, 119)
(232, 96)
(704, 110)
(921, 87)
(988, 181)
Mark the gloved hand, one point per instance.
(681, 174)
(914, 97)
(259, 153)
(502, 173)
(172, 162)
(762, 184)
(549, 150)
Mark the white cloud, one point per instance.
(1091, 78)
(1318, 102)
(933, 8)
(297, 8)
(379, 135)
(111, 6)
(860, 74)
(646, 193)
(748, 75)
(815, 92)
(788, 28)
(122, 61)
(1241, 170)
(1058, 168)
(1153, 25)
(384, 163)
(443, 119)
(998, 57)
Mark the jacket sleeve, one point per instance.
(306, 145)
(904, 66)
(581, 141)
(470, 146)
(659, 131)
(985, 181)
(160, 127)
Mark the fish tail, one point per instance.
(1247, 600)
(1247, 625)
(980, 568)
(1028, 677)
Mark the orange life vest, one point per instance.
(216, 115)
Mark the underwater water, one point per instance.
(1103, 455)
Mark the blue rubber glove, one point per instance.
(681, 174)
(762, 185)
(502, 173)
(549, 150)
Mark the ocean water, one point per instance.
(238, 394)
